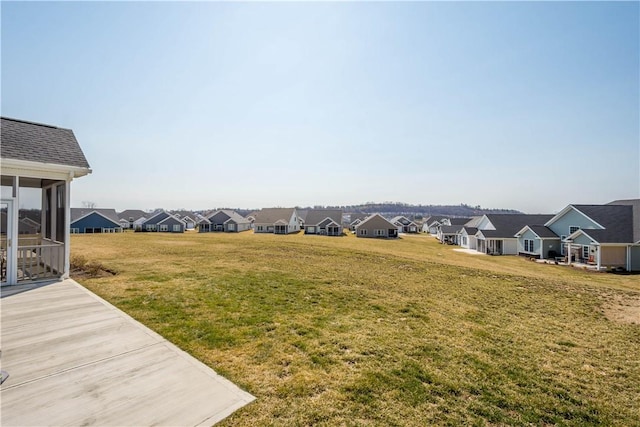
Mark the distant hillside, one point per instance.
(421, 211)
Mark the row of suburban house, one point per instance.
(329, 222)
(42, 158)
(599, 235)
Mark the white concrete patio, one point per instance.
(74, 359)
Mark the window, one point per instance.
(164, 227)
(528, 245)
(362, 231)
(562, 245)
(311, 229)
(585, 252)
(176, 228)
(464, 240)
(259, 228)
(150, 227)
(75, 230)
(379, 232)
(573, 229)
(231, 227)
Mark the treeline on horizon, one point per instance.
(413, 211)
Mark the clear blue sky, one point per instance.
(198, 105)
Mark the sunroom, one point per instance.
(38, 163)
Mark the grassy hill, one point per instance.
(402, 332)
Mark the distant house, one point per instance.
(404, 224)
(496, 232)
(133, 218)
(600, 235)
(189, 218)
(326, 222)
(277, 221)
(224, 220)
(376, 226)
(94, 221)
(163, 221)
(449, 234)
(431, 226)
(355, 219)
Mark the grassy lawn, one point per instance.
(347, 331)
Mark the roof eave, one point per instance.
(41, 170)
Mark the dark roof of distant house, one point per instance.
(136, 214)
(616, 219)
(635, 206)
(77, 213)
(507, 225)
(450, 229)
(471, 231)
(235, 216)
(543, 231)
(37, 142)
(316, 216)
(272, 215)
(182, 214)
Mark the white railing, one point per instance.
(40, 261)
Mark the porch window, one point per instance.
(528, 245)
(75, 230)
(362, 231)
(231, 227)
(379, 232)
(562, 245)
(176, 228)
(164, 227)
(585, 252)
(311, 229)
(150, 227)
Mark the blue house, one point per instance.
(94, 221)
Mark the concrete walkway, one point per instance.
(74, 359)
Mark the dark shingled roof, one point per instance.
(135, 213)
(459, 221)
(316, 216)
(41, 143)
(507, 225)
(450, 229)
(273, 215)
(635, 206)
(543, 231)
(616, 219)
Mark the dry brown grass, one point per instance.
(347, 331)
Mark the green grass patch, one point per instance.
(354, 331)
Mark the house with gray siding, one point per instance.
(404, 224)
(376, 226)
(325, 222)
(94, 221)
(276, 221)
(226, 220)
(163, 221)
(133, 218)
(496, 234)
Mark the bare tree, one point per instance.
(88, 205)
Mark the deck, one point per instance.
(74, 359)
